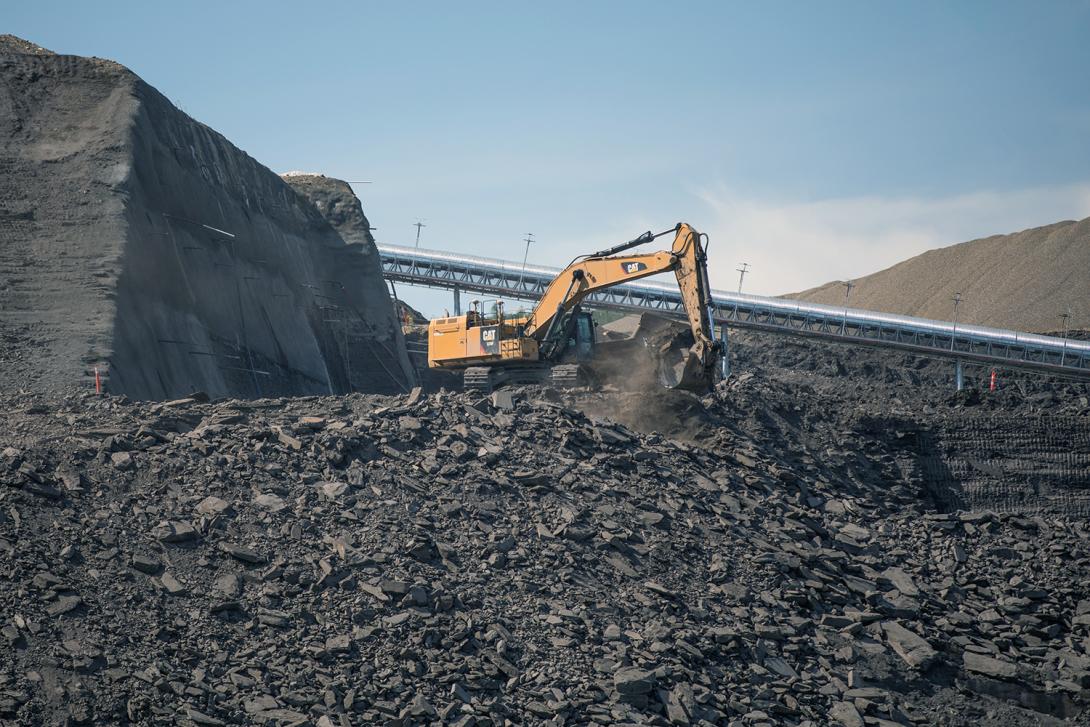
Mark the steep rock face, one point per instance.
(340, 206)
(64, 138)
(1022, 281)
(144, 244)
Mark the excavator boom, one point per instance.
(686, 258)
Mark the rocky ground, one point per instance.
(527, 559)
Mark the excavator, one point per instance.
(555, 342)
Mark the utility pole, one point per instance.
(742, 274)
(958, 376)
(957, 302)
(848, 285)
(525, 256)
(418, 224)
(1063, 322)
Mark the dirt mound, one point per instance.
(1022, 281)
(139, 242)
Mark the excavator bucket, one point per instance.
(684, 368)
(674, 361)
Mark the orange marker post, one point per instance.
(98, 382)
(991, 386)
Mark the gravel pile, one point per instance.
(1022, 448)
(454, 559)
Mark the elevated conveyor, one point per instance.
(510, 280)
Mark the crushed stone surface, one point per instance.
(452, 558)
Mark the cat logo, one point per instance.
(488, 336)
(630, 268)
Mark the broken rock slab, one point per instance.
(270, 502)
(212, 506)
(989, 666)
(246, 555)
(845, 714)
(909, 645)
(633, 681)
(121, 460)
(63, 605)
(146, 563)
(172, 585)
(175, 531)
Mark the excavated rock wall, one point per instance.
(338, 204)
(64, 134)
(143, 243)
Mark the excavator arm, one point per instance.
(686, 259)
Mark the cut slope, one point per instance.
(1022, 281)
(340, 206)
(64, 133)
(141, 242)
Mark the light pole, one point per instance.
(957, 302)
(957, 362)
(418, 224)
(525, 256)
(848, 285)
(742, 274)
(1063, 322)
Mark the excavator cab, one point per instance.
(583, 341)
(580, 338)
(572, 340)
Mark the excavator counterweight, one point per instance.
(557, 337)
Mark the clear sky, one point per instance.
(814, 141)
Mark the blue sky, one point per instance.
(815, 141)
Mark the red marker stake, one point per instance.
(98, 382)
(991, 387)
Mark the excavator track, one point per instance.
(487, 379)
(567, 376)
(478, 378)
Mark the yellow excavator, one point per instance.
(555, 342)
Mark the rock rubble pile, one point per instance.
(457, 559)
